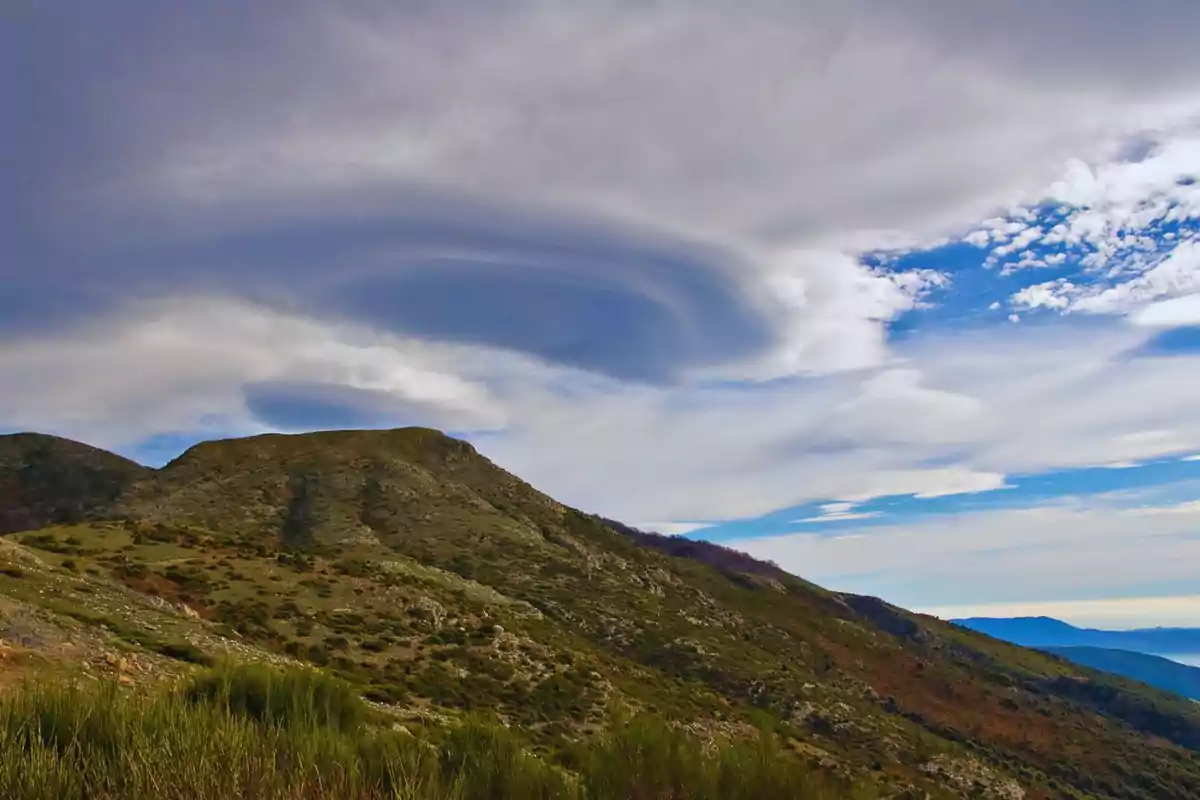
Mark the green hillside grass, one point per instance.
(267, 733)
(443, 588)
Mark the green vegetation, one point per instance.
(406, 568)
(263, 733)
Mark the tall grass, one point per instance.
(257, 732)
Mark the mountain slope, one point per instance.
(408, 563)
(1163, 673)
(46, 480)
(1048, 632)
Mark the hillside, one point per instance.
(408, 564)
(1048, 632)
(1162, 673)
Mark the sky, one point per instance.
(903, 296)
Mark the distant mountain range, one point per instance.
(1133, 654)
(1162, 673)
(1043, 632)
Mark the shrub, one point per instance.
(282, 697)
(266, 732)
(185, 651)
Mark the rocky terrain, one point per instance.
(440, 584)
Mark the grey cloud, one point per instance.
(297, 406)
(272, 151)
(1107, 44)
(797, 119)
(427, 264)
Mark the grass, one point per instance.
(471, 592)
(260, 732)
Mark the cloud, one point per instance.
(838, 517)
(632, 275)
(396, 165)
(627, 121)
(953, 414)
(1162, 295)
(672, 528)
(1066, 551)
(1189, 507)
(228, 367)
(1173, 313)
(1130, 225)
(1113, 613)
(837, 512)
(635, 304)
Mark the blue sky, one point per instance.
(906, 299)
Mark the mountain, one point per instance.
(1162, 673)
(46, 480)
(1047, 632)
(440, 584)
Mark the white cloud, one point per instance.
(1162, 295)
(838, 517)
(1190, 507)
(1055, 553)
(829, 311)
(1191, 458)
(1054, 295)
(978, 238)
(1178, 274)
(1176, 312)
(1022, 240)
(1114, 213)
(1112, 613)
(927, 483)
(837, 512)
(1115, 197)
(948, 415)
(672, 528)
(183, 366)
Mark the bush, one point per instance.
(275, 734)
(185, 651)
(280, 697)
(646, 757)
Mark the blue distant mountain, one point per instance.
(1043, 632)
(1133, 654)
(1161, 673)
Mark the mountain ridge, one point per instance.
(1156, 671)
(1050, 632)
(406, 562)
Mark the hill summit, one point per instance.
(440, 584)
